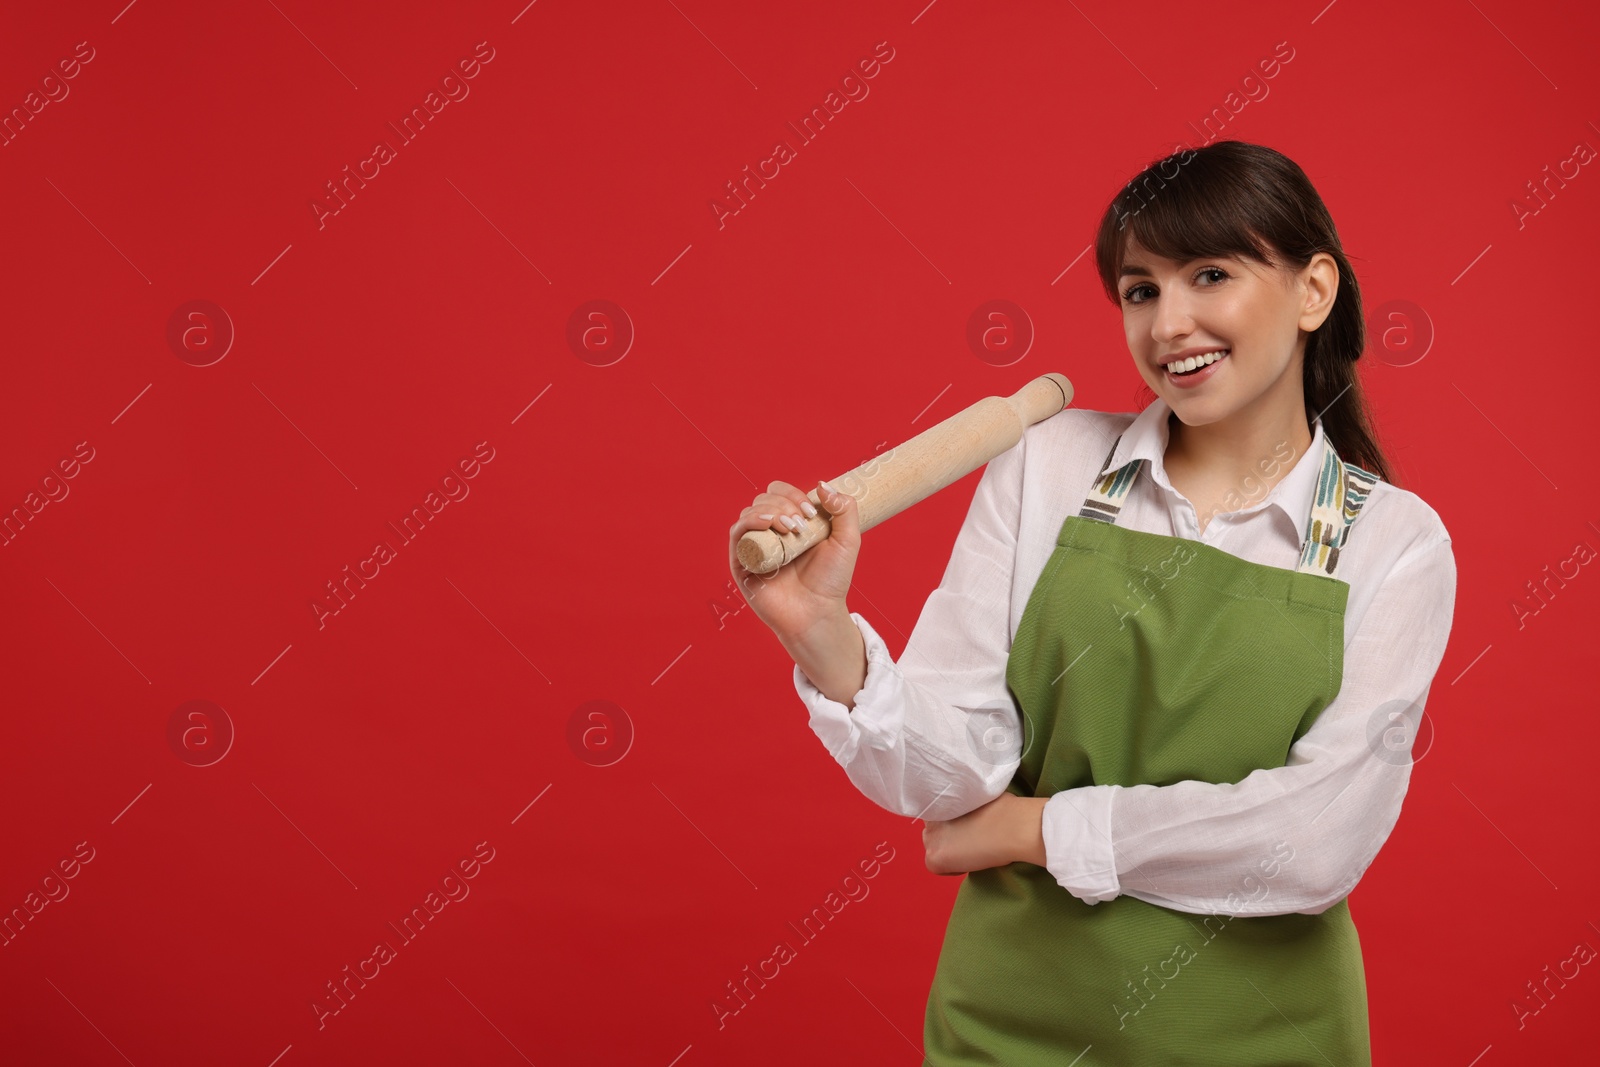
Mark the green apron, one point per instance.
(1199, 665)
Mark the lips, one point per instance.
(1198, 356)
(1199, 374)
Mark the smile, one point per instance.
(1199, 368)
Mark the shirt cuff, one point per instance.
(1077, 842)
(879, 710)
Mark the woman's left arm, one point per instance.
(1295, 838)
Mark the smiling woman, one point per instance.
(1143, 754)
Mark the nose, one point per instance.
(1172, 318)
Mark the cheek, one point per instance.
(1139, 352)
(1241, 312)
(1254, 324)
(1137, 336)
(1272, 308)
(1278, 325)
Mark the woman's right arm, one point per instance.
(937, 733)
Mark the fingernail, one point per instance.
(805, 506)
(767, 517)
(831, 490)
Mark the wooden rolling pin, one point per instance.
(888, 484)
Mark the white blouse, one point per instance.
(937, 733)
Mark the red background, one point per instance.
(375, 350)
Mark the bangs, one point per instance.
(1181, 211)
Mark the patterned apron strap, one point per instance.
(1104, 501)
(1342, 489)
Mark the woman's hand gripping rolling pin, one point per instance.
(810, 591)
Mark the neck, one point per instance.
(1242, 447)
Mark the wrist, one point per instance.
(1029, 822)
(832, 654)
(828, 625)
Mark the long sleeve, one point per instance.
(1285, 839)
(937, 733)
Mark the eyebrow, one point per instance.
(1134, 268)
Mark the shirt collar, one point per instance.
(1146, 438)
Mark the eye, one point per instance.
(1131, 291)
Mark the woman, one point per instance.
(1160, 708)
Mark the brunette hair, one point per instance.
(1237, 198)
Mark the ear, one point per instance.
(1319, 281)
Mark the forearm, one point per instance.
(833, 655)
(1003, 831)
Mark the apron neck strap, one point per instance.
(1342, 489)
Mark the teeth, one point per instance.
(1195, 362)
